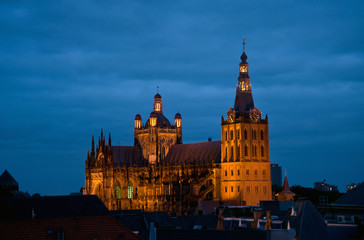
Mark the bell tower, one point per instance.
(245, 162)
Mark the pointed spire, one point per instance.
(244, 79)
(285, 184)
(101, 134)
(243, 56)
(92, 146)
(109, 139)
(288, 226)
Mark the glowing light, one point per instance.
(153, 122)
(243, 69)
(157, 107)
(130, 191)
(138, 124)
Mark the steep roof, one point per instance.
(353, 197)
(7, 180)
(162, 121)
(126, 156)
(286, 189)
(203, 152)
(243, 102)
(308, 222)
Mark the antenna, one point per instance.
(33, 214)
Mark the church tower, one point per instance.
(245, 162)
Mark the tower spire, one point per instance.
(244, 79)
(157, 105)
(109, 139)
(92, 146)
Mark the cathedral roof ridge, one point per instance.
(195, 143)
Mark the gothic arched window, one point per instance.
(130, 190)
(238, 153)
(117, 191)
(231, 153)
(245, 134)
(225, 159)
(261, 135)
(246, 150)
(254, 134)
(262, 151)
(254, 151)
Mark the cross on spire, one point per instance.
(244, 44)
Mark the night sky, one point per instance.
(69, 69)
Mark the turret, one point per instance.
(153, 119)
(178, 125)
(178, 120)
(138, 121)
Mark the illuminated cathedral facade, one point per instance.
(161, 173)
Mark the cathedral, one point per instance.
(161, 173)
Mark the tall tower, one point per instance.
(245, 163)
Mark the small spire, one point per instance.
(157, 89)
(244, 44)
(286, 188)
(92, 145)
(109, 139)
(101, 134)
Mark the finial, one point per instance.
(157, 89)
(244, 44)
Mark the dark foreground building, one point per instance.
(59, 217)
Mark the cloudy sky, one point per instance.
(70, 68)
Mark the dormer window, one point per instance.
(153, 121)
